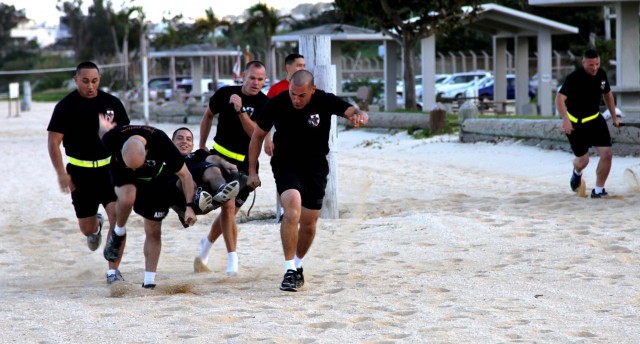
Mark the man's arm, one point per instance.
(254, 152)
(64, 179)
(188, 187)
(205, 127)
(611, 105)
(567, 128)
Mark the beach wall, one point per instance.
(544, 133)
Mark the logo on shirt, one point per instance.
(602, 84)
(314, 119)
(150, 163)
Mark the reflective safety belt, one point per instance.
(89, 163)
(583, 120)
(148, 179)
(227, 153)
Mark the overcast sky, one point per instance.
(45, 10)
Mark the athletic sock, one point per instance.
(111, 272)
(149, 278)
(289, 265)
(576, 172)
(205, 248)
(120, 231)
(599, 189)
(232, 263)
(298, 261)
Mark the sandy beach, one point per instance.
(437, 242)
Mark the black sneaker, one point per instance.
(149, 286)
(112, 248)
(94, 240)
(575, 181)
(289, 281)
(299, 278)
(117, 277)
(599, 195)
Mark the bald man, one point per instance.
(143, 168)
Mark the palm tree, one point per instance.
(268, 18)
(210, 24)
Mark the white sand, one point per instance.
(437, 242)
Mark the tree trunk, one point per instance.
(408, 50)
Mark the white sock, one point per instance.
(576, 172)
(120, 231)
(205, 248)
(298, 261)
(599, 189)
(232, 263)
(289, 265)
(111, 272)
(149, 278)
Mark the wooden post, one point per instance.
(316, 50)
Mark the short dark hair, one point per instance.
(302, 77)
(173, 137)
(291, 58)
(86, 65)
(590, 54)
(254, 63)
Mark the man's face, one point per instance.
(591, 65)
(298, 64)
(254, 80)
(88, 82)
(301, 95)
(183, 141)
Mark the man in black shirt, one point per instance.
(237, 109)
(144, 163)
(578, 102)
(302, 119)
(74, 123)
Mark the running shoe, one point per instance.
(203, 202)
(575, 181)
(299, 278)
(113, 246)
(599, 195)
(148, 286)
(117, 277)
(94, 240)
(226, 192)
(289, 281)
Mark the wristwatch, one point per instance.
(243, 109)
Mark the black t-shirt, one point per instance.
(230, 134)
(301, 135)
(584, 92)
(76, 118)
(160, 151)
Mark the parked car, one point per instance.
(485, 89)
(439, 78)
(455, 87)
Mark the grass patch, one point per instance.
(51, 95)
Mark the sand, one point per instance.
(437, 242)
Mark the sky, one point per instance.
(45, 10)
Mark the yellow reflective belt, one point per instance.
(147, 179)
(89, 163)
(227, 153)
(584, 120)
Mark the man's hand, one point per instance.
(236, 101)
(359, 118)
(567, 128)
(190, 217)
(65, 182)
(253, 181)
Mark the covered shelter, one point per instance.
(627, 88)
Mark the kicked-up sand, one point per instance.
(437, 242)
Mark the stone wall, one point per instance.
(545, 133)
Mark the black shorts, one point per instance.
(154, 197)
(243, 166)
(309, 179)
(93, 187)
(594, 133)
(197, 171)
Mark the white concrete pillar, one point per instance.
(544, 73)
(500, 69)
(522, 75)
(428, 46)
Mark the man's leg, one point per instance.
(113, 274)
(604, 165)
(307, 232)
(229, 229)
(152, 247)
(291, 201)
(581, 162)
(124, 205)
